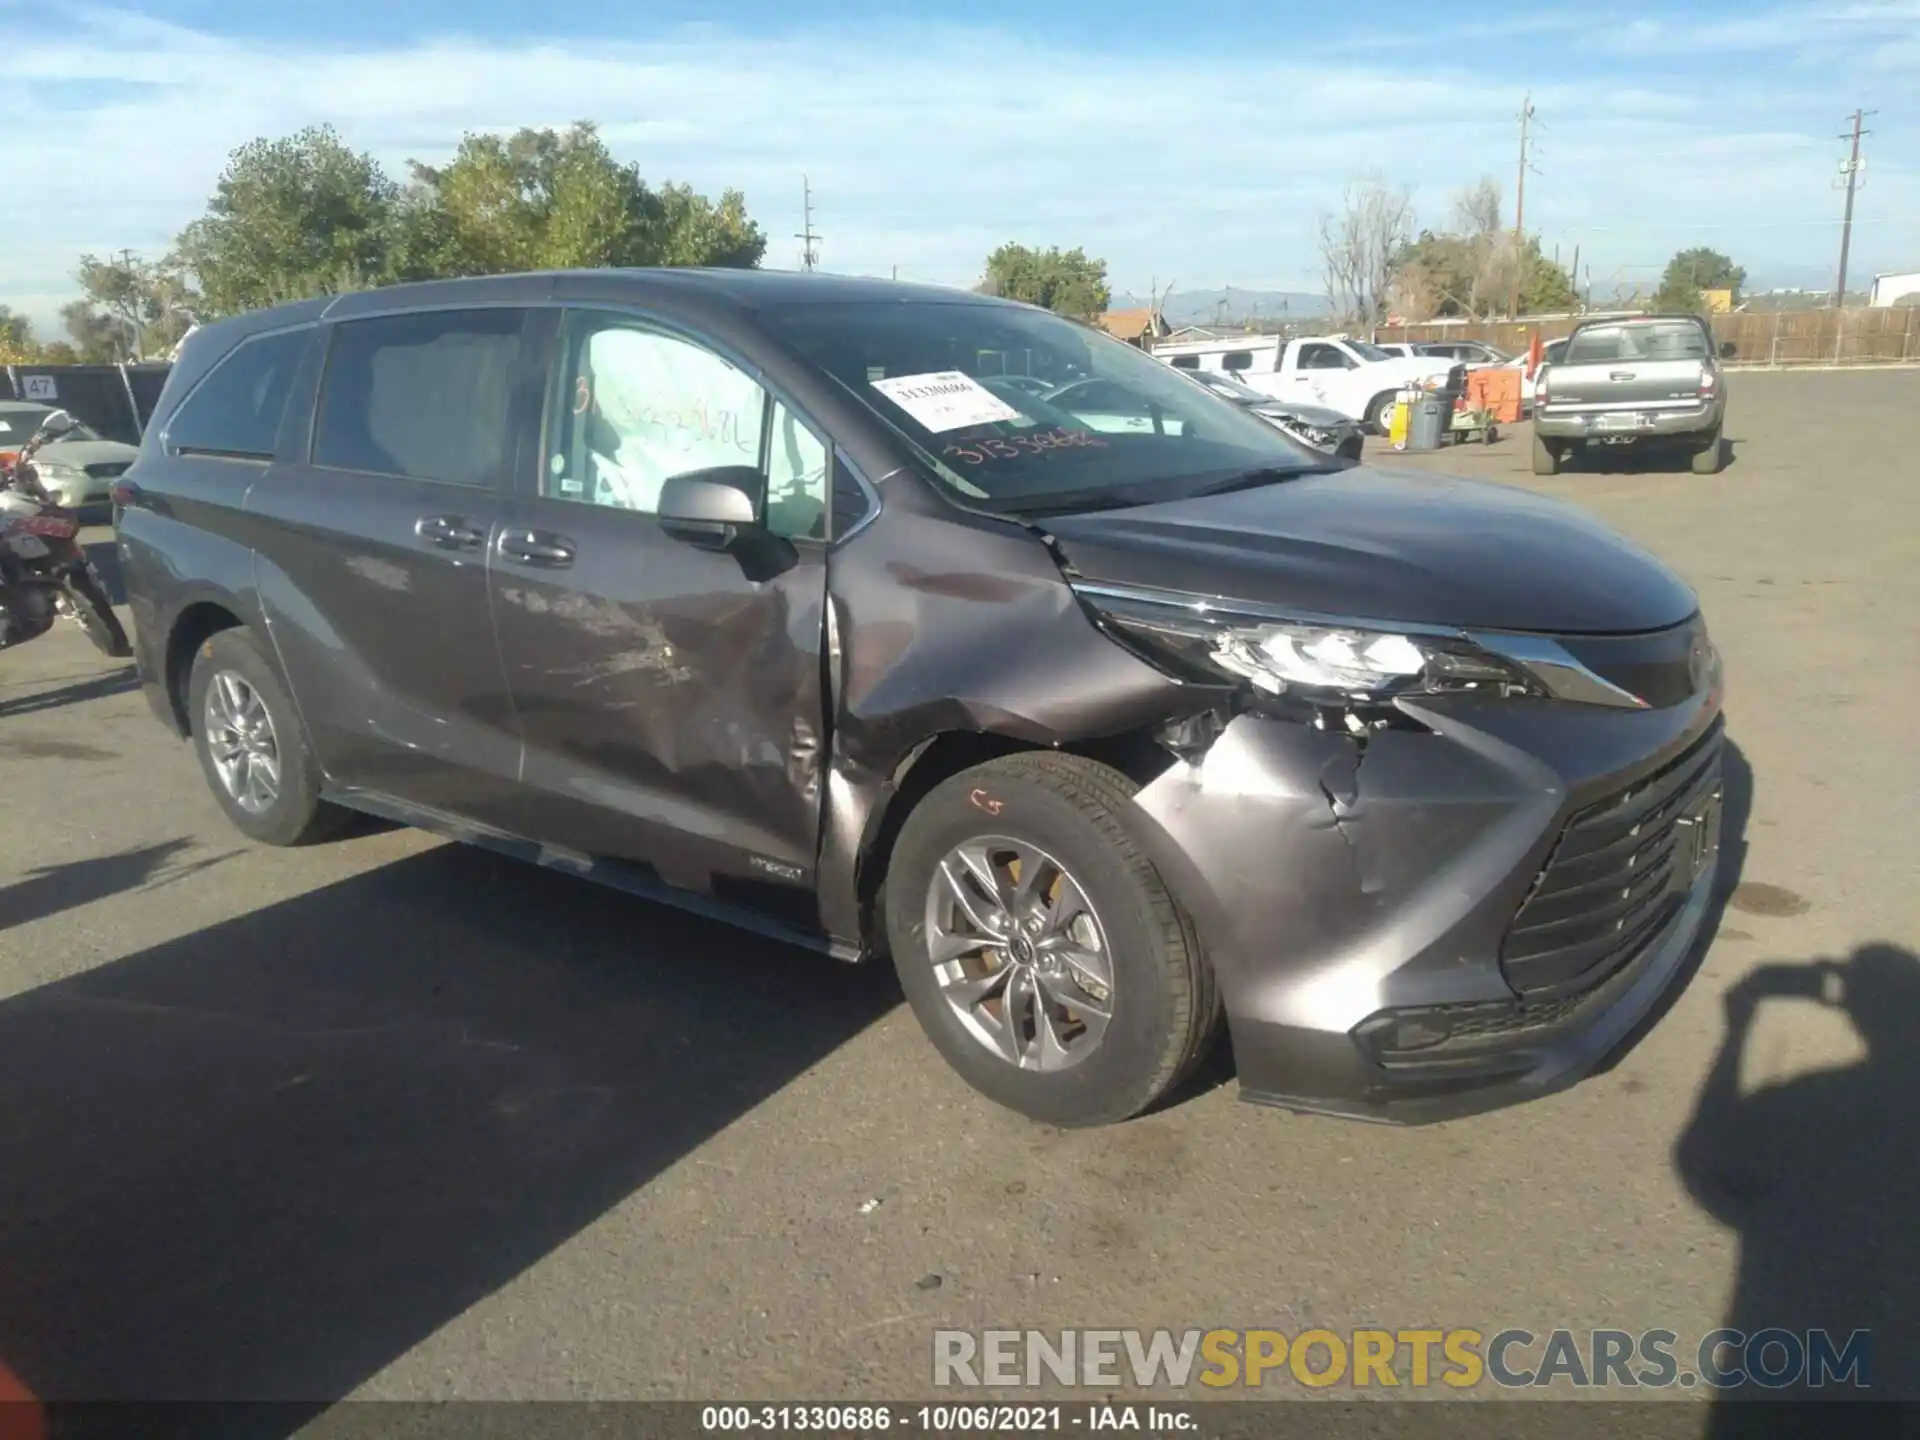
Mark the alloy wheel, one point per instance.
(1019, 953)
(241, 742)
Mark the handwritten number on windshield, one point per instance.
(1012, 448)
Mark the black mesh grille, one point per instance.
(1610, 884)
(1662, 667)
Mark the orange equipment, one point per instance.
(1495, 389)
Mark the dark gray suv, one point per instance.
(792, 600)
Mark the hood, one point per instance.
(1386, 545)
(1317, 415)
(82, 453)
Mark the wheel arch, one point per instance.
(1134, 754)
(191, 629)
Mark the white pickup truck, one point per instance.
(1359, 380)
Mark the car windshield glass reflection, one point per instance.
(1018, 410)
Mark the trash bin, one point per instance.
(1427, 425)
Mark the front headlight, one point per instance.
(1323, 661)
(60, 477)
(1315, 435)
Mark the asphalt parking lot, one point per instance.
(394, 1118)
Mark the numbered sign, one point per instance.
(38, 387)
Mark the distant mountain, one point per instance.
(1229, 306)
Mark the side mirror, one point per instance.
(57, 424)
(1727, 349)
(711, 507)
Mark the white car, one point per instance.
(78, 469)
(1361, 381)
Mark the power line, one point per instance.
(1850, 167)
(809, 255)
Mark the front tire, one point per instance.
(1038, 947)
(1380, 411)
(251, 746)
(1546, 456)
(94, 610)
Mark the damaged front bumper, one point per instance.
(1445, 919)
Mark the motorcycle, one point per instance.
(44, 570)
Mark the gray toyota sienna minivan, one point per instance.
(900, 621)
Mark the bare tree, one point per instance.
(1361, 246)
(1476, 209)
(1489, 249)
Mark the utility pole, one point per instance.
(1851, 169)
(809, 256)
(1520, 210)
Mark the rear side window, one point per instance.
(421, 397)
(236, 410)
(1237, 360)
(1660, 340)
(1186, 362)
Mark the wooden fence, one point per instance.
(1859, 336)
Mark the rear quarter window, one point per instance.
(425, 396)
(235, 412)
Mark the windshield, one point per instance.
(1226, 385)
(1642, 340)
(1112, 426)
(1369, 352)
(18, 423)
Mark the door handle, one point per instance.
(452, 532)
(537, 547)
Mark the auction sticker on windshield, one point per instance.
(947, 400)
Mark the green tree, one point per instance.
(1692, 271)
(546, 199)
(17, 345)
(1545, 286)
(1064, 281)
(299, 216)
(97, 338)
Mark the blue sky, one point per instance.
(1186, 144)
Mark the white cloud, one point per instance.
(928, 146)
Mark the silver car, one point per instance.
(78, 469)
(1315, 426)
(1653, 380)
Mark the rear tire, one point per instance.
(251, 745)
(1546, 456)
(1163, 1010)
(1380, 411)
(1711, 459)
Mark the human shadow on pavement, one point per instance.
(71, 884)
(94, 687)
(1820, 1175)
(265, 1160)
